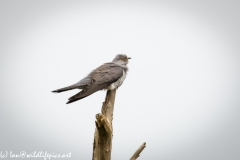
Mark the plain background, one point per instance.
(181, 94)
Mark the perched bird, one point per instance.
(108, 76)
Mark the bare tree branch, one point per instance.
(137, 153)
(102, 145)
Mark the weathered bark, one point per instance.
(102, 145)
(137, 153)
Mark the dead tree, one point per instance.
(102, 145)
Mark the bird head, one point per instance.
(121, 59)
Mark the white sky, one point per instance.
(181, 95)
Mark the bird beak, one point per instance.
(129, 58)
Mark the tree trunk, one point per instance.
(102, 145)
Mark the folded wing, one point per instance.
(100, 78)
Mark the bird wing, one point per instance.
(107, 73)
(101, 78)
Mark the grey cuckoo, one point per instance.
(107, 76)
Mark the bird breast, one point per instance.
(118, 83)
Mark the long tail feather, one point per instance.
(65, 89)
(73, 100)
